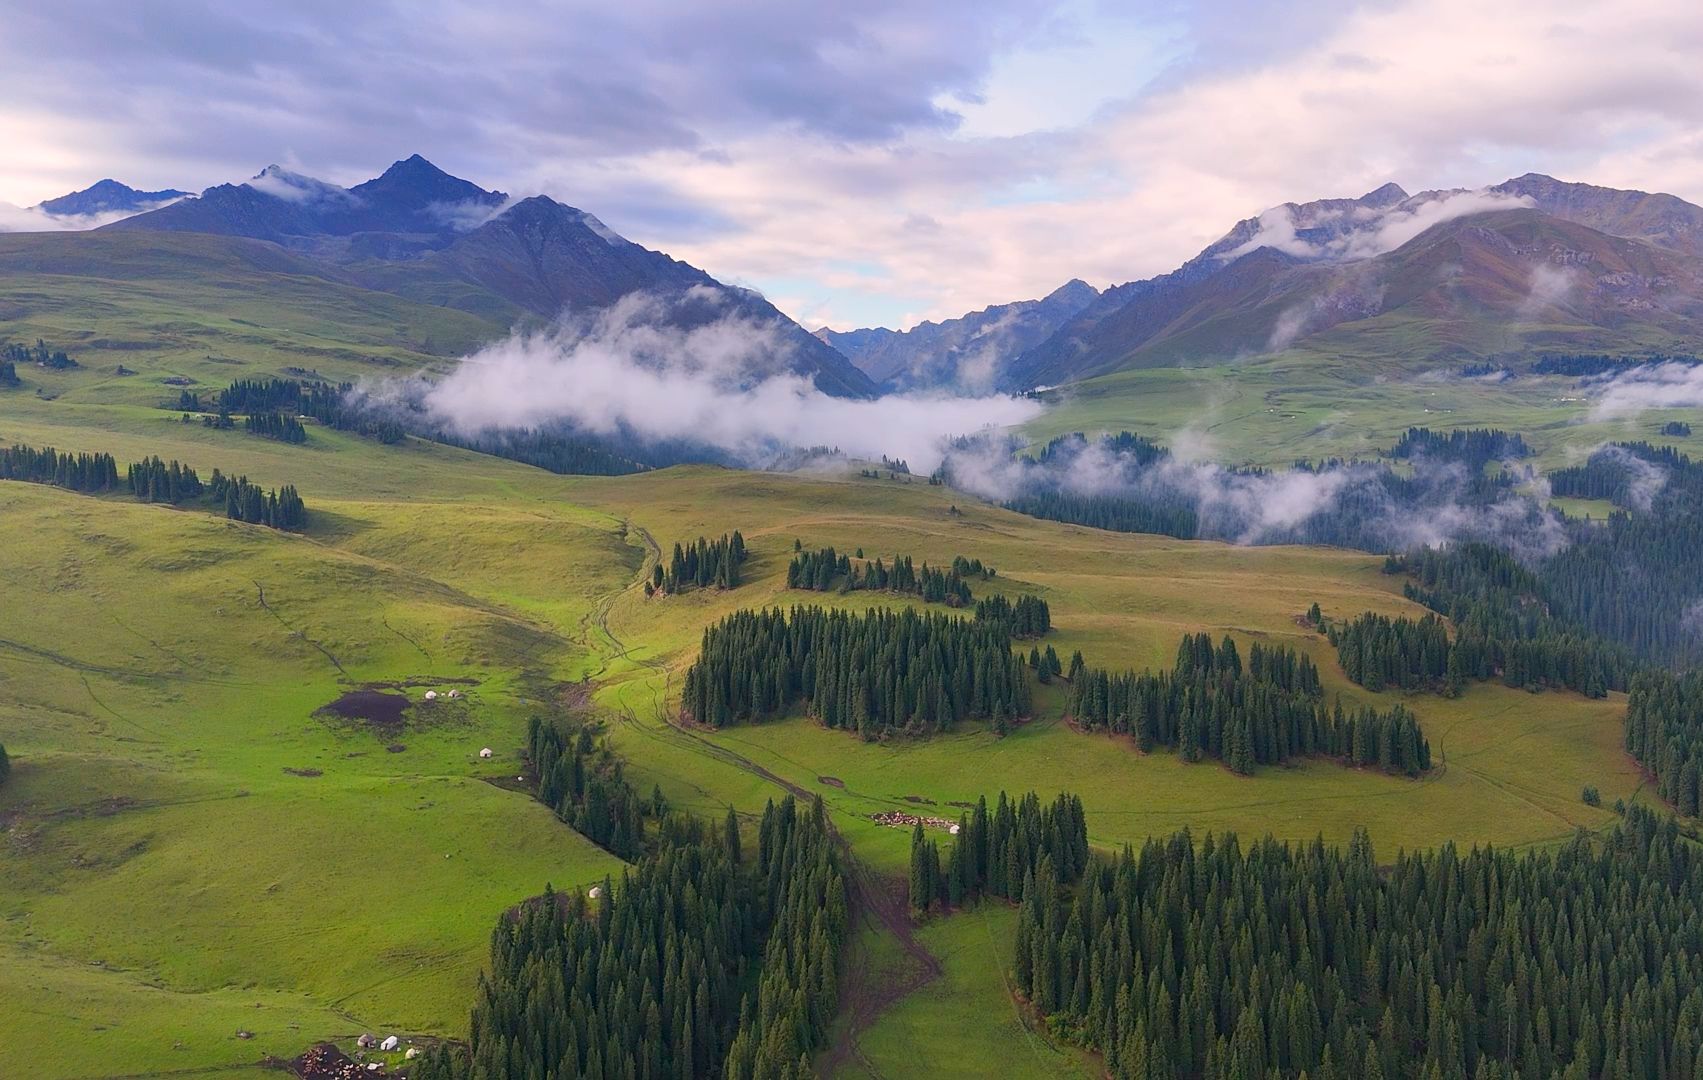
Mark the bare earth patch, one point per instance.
(379, 708)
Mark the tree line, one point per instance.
(993, 854)
(1615, 603)
(1370, 510)
(581, 779)
(1476, 446)
(555, 452)
(1026, 617)
(1379, 652)
(1115, 513)
(1631, 580)
(1508, 622)
(1664, 732)
(700, 963)
(826, 570)
(279, 509)
(878, 673)
(41, 353)
(285, 400)
(277, 426)
(1583, 365)
(1210, 706)
(88, 473)
(1189, 961)
(702, 563)
(154, 480)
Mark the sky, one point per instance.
(868, 163)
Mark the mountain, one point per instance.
(1531, 264)
(418, 232)
(108, 196)
(966, 353)
(1663, 220)
(413, 198)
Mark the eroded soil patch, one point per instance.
(379, 708)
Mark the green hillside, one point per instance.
(194, 849)
(1317, 402)
(164, 859)
(204, 310)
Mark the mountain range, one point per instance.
(417, 232)
(967, 353)
(1530, 265)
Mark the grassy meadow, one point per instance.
(1307, 405)
(189, 849)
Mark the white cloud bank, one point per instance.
(1354, 502)
(634, 370)
(1653, 386)
(1368, 231)
(35, 219)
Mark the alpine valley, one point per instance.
(441, 637)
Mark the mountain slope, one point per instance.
(1535, 264)
(421, 233)
(1663, 220)
(1473, 286)
(969, 352)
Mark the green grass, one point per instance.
(209, 310)
(966, 1023)
(153, 708)
(1314, 405)
(158, 857)
(164, 881)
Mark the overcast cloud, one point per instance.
(871, 163)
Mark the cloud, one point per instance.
(35, 219)
(1356, 504)
(686, 370)
(1275, 229)
(281, 183)
(1402, 223)
(469, 215)
(770, 143)
(1289, 326)
(1674, 385)
(1369, 231)
(1549, 286)
(1644, 479)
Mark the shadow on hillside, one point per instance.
(333, 528)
